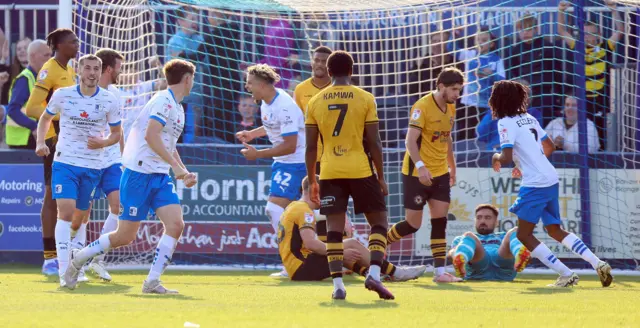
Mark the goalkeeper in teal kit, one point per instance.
(488, 255)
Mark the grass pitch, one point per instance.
(252, 299)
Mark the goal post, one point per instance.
(398, 48)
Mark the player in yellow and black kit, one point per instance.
(305, 257)
(429, 167)
(346, 119)
(302, 94)
(54, 74)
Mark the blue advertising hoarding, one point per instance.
(21, 197)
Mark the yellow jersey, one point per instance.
(340, 112)
(302, 94)
(297, 216)
(435, 124)
(597, 61)
(52, 76)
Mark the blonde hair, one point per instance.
(264, 72)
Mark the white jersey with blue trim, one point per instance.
(280, 118)
(524, 134)
(82, 117)
(137, 155)
(112, 153)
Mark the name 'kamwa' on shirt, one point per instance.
(338, 95)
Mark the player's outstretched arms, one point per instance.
(153, 138)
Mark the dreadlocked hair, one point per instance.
(508, 98)
(55, 37)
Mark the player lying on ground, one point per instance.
(429, 167)
(522, 139)
(305, 257)
(150, 152)
(84, 111)
(488, 255)
(346, 119)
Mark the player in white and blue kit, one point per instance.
(109, 185)
(523, 140)
(283, 123)
(150, 152)
(84, 111)
(488, 255)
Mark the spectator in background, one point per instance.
(599, 57)
(564, 133)
(20, 129)
(136, 92)
(245, 118)
(221, 71)
(184, 44)
(533, 58)
(280, 50)
(4, 72)
(319, 32)
(483, 67)
(14, 67)
(487, 130)
(425, 71)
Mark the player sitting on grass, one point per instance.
(522, 139)
(485, 255)
(305, 257)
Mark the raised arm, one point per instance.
(562, 24)
(618, 24)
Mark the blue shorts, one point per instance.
(109, 181)
(74, 182)
(286, 180)
(492, 267)
(535, 203)
(140, 192)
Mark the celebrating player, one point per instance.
(429, 167)
(148, 155)
(305, 256)
(346, 118)
(283, 123)
(520, 139)
(54, 74)
(84, 110)
(304, 91)
(486, 255)
(109, 184)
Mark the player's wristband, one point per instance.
(419, 164)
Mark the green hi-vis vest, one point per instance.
(17, 135)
